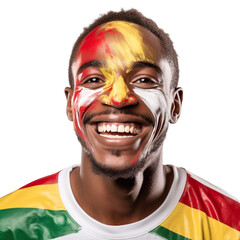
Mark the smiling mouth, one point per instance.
(118, 130)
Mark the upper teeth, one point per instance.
(121, 128)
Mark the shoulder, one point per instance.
(203, 211)
(199, 188)
(211, 201)
(33, 195)
(33, 209)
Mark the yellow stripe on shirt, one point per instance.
(40, 196)
(196, 225)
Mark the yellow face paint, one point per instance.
(118, 93)
(124, 46)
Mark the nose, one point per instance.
(119, 95)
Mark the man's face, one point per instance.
(122, 97)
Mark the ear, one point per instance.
(69, 93)
(176, 105)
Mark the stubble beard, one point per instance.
(126, 173)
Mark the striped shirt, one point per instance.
(46, 209)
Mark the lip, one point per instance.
(118, 143)
(119, 118)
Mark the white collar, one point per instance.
(123, 231)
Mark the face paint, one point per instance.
(121, 45)
(156, 95)
(131, 49)
(81, 104)
(150, 97)
(110, 52)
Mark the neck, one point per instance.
(121, 201)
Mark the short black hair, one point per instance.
(136, 17)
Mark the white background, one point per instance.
(35, 44)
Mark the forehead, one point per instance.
(119, 41)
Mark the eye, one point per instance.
(93, 82)
(145, 82)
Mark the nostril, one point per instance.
(131, 99)
(115, 101)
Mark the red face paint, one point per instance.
(91, 46)
(89, 50)
(136, 157)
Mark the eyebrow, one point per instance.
(93, 63)
(147, 64)
(98, 64)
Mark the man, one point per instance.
(123, 74)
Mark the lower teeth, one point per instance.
(115, 136)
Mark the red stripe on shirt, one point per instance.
(213, 203)
(51, 179)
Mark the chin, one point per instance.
(123, 169)
(116, 164)
(116, 172)
(108, 170)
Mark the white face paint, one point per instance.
(82, 99)
(156, 102)
(167, 73)
(156, 99)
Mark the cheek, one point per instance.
(155, 100)
(83, 99)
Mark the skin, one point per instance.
(130, 86)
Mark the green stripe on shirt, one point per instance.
(169, 235)
(33, 223)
